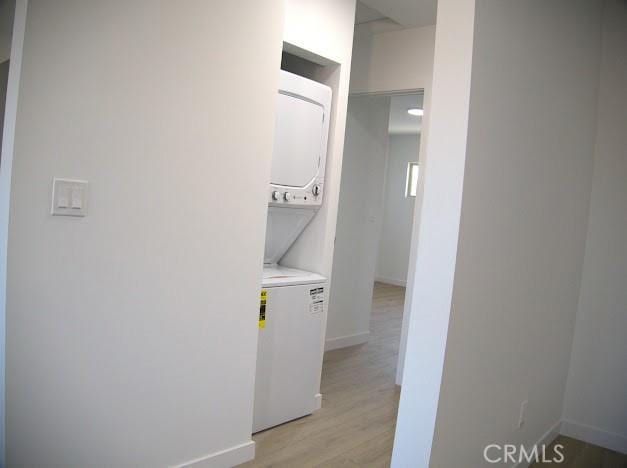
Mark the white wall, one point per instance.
(596, 399)
(398, 211)
(131, 333)
(526, 189)
(393, 60)
(359, 220)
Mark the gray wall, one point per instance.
(596, 400)
(398, 211)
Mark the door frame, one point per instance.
(413, 248)
(6, 165)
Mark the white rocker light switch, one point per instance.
(77, 198)
(69, 197)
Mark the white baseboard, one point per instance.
(392, 281)
(549, 436)
(583, 432)
(318, 401)
(594, 435)
(227, 458)
(345, 341)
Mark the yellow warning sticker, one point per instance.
(262, 308)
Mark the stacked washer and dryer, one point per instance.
(291, 333)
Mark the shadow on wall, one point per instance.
(4, 81)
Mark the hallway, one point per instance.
(355, 426)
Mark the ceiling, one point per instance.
(401, 123)
(407, 13)
(365, 14)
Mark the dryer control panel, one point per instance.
(296, 196)
(300, 142)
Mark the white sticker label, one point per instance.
(316, 300)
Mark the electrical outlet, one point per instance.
(522, 417)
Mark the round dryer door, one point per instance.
(297, 141)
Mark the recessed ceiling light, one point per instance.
(415, 111)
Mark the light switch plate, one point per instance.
(69, 197)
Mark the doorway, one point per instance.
(378, 193)
(376, 210)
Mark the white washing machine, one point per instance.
(293, 302)
(290, 348)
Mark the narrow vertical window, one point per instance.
(411, 185)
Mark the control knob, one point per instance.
(276, 195)
(286, 196)
(315, 190)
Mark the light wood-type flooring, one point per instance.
(578, 454)
(355, 427)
